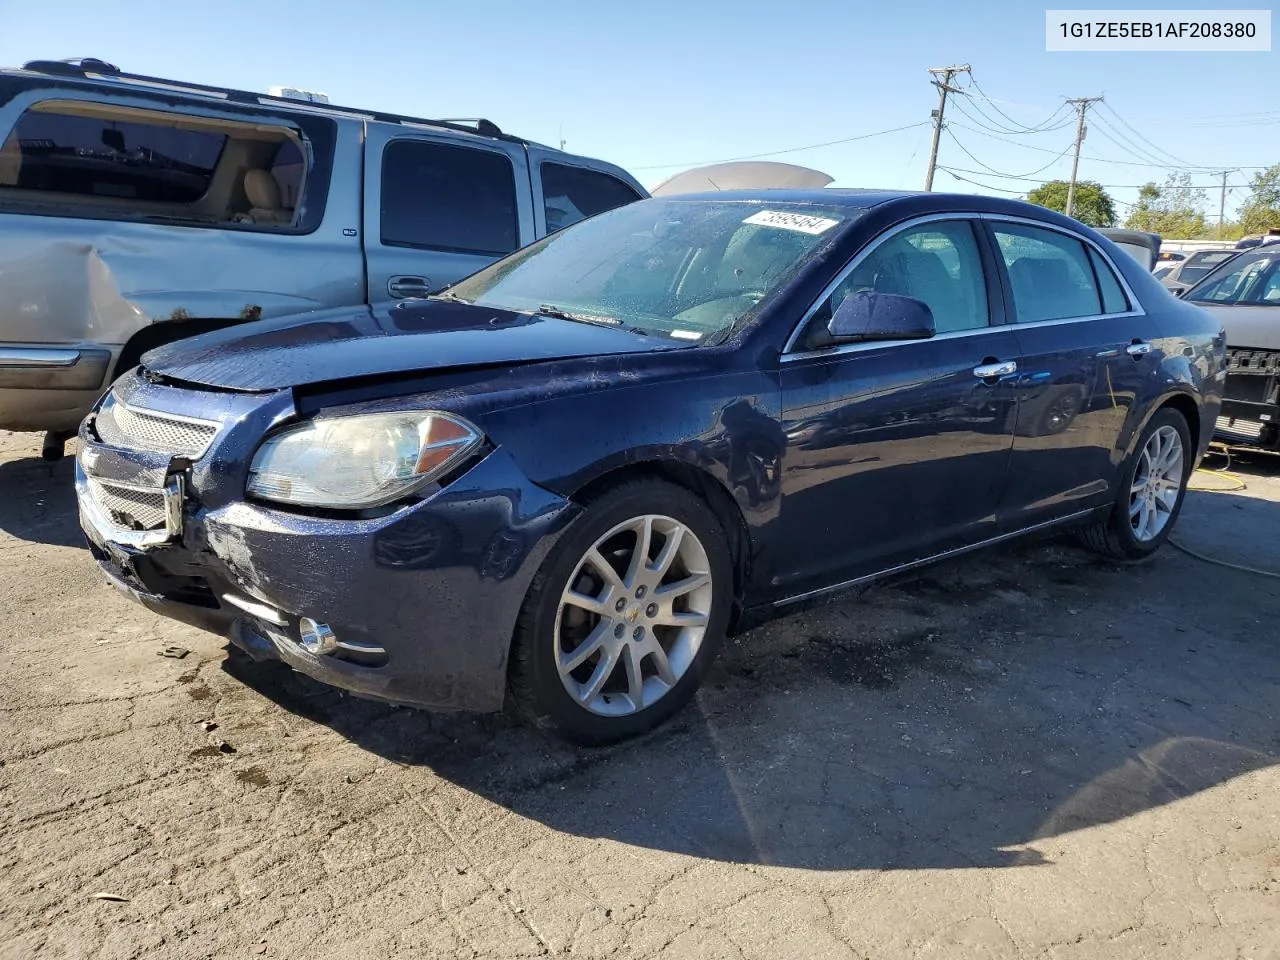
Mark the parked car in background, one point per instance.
(1195, 268)
(135, 211)
(574, 472)
(1142, 246)
(1244, 295)
(1248, 243)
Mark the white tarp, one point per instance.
(743, 175)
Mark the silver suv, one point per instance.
(135, 211)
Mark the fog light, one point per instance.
(316, 637)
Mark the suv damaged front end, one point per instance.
(227, 510)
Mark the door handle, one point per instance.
(1138, 349)
(403, 288)
(992, 371)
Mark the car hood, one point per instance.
(409, 337)
(1256, 327)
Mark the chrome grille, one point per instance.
(1253, 361)
(130, 508)
(119, 425)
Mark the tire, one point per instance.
(622, 624)
(1123, 536)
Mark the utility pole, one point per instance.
(1222, 201)
(944, 87)
(1081, 104)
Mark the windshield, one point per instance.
(686, 269)
(1200, 265)
(1250, 278)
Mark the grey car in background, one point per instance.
(1244, 294)
(136, 211)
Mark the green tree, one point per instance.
(1092, 206)
(1173, 210)
(1261, 209)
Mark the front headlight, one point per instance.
(361, 461)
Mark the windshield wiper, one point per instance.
(447, 295)
(559, 313)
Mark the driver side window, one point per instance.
(937, 263)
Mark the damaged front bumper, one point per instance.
(422, 602)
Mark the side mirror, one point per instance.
(866, 315)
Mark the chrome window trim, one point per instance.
(789, 352)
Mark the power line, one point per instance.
(1159, 150)
(1107, 186)
(955, 174)
(1008, 176)
(985, 186)
(1042, 127)
(1130, 147)
(775, 153)
(1124, 163)
(986, 122)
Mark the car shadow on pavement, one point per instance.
(959, 719)
(38, 501)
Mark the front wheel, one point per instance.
(1152, 486)
(625, 615)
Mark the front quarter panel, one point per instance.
(723, 423)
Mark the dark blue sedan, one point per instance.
(571, 475)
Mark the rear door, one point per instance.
(438, 207)
(1086, 362)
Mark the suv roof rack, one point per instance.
(91, 68)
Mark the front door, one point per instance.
(898, 451)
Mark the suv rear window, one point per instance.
(100, 157)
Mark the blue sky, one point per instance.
(661, 86)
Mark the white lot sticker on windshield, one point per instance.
(791, 221)
(686, 334)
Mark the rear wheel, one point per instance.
(1149, 499)
(625, 615)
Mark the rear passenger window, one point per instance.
(937, 263)
(570, 194)
(1049, 273)
(1113, 298)
(442, 197)
(97, 156)
(87, 159)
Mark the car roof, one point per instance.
(830, 196)
(912, 202)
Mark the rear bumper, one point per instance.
(423, 602)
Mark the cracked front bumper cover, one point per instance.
(437, 585)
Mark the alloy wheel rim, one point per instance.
(633, 615)
(1157, 483)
